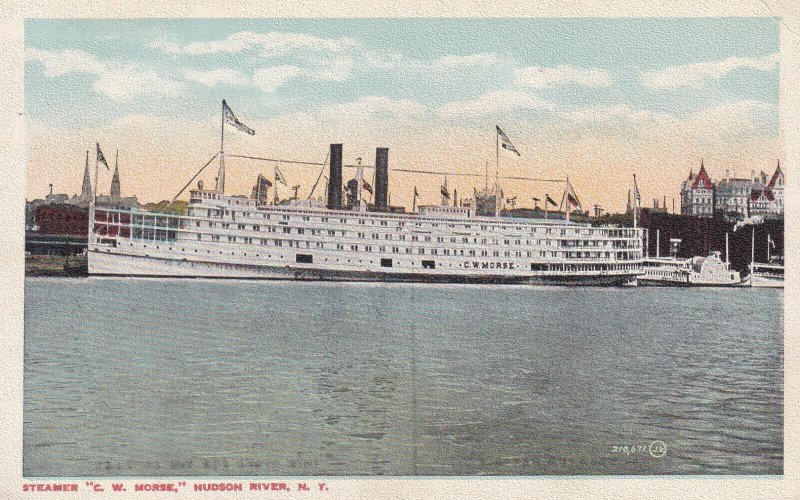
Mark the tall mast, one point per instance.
(727, 259)
(497, 172)
(221, 174)
(546, 202)
(769, 240)
(752, 254)
(658, 243)
(636, 196)
(96, 172)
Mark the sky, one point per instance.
(594, 100)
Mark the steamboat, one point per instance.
(710, 270)
(236, 236)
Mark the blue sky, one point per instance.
(546, 80)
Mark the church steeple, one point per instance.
(86, 190)
(115, 189)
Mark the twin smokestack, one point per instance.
(381, 178)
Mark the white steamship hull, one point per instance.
(116, 264)
(234, 236)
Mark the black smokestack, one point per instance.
(381, 177)
(335, 178)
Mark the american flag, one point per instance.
(101, 158)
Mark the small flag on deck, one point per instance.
(505, 142)
(101, 158)
(367, 187)
(572, 197)
(231, 119)
(551, 201)
(572, 200)
(445, 192)
(279, 176)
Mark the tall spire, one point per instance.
(115, 188)
(86, 190)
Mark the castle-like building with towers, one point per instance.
(738, 197)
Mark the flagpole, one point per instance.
(768, 245)
(96, 173)
(546, 202)
(496, 170)
(221, 174)
(727, 258)
(752, 254)
(275, 201)
(414, 202)
(92, 202)
(635, 202)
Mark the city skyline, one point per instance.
(595, 100)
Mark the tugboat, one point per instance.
(696, 271)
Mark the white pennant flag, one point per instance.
(505, 142)
(279, 176)
(231, 119)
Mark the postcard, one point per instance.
(406, 255)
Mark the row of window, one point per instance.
(415, 238)
(430, 264)
(362, 221)
(409, 250)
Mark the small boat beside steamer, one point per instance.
(710, 270)
(696, 271)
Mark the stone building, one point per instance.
(697, 194)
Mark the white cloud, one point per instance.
(269, 79)
(396, 60)
(543, 77)
(498, 101)
(215, 77)
(698, 74)
(337, 68)
(452, 62)
(712, 127)
(374, 107)
(121, 82)
(270, 44)
(611, 115)
(735, 121)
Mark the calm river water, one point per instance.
(195, 377)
